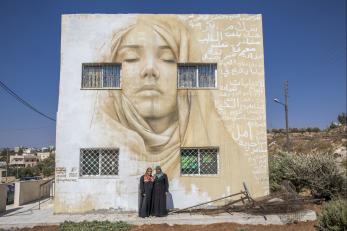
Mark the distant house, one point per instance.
(43, 155)
(25, 160)
(29, 150)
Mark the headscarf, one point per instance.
(158, 175)
(147, 177)
(161, 148)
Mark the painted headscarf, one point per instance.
(160, 147)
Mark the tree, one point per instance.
(342, 119)
(47, 166)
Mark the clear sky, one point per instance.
(304, 43)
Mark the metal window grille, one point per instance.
(207, 75)
(197, 75)
(187, 76)
(101, 75)
(199, 161)
(99, 162)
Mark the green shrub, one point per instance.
(242, 229)
(316, 172)
(333, 216)
(94, 226)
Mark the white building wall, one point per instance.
(84, 40)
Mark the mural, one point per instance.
(150, 119)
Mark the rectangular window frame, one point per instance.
(197, 76)
(199, 168)
(99, 163)
(102, 79)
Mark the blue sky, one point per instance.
(304, 43)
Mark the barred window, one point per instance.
(101, 75)
(99, 162)
(199, 161)
(197, 75)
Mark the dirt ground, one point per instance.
(301, 226)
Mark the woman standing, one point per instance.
(146, 187)
(160, 190)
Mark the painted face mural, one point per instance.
(149, 75)
(149, 102)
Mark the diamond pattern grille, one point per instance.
(199, 161)
(99, 162)
(208, 161)
(189, 161)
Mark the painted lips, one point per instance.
(149, 91)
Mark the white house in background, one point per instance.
(24, 160)
(29, 150)
(43, 155)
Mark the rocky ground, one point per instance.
(332, 141)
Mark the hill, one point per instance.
(333, 141)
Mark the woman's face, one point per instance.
(148, 72)
(158, 170)
(149, 171)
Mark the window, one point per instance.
(105, 75)
(199, 161)
(197, 75)
(99, 162)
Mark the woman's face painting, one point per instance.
(148, 72)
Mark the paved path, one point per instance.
(29, 215)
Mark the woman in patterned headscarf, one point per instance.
(146, 187)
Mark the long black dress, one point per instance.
(160, 188)
(145, 197)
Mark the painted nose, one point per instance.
(150, 70)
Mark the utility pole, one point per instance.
(286, 111)
(6, 163)
(285, 105)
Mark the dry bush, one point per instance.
(317, 172)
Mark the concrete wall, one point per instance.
(28, 191)
(3, 197)
(231, 116)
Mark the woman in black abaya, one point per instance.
(160, 190)
(146, 187)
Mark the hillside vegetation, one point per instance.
(309, 141)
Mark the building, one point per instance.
(29, 150)
(25, 160)
(43, 155)
(182, 91)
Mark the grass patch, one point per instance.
(95, 226)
